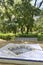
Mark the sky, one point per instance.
(38, 2)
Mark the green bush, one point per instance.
(6, 36)
(27, 35)
(41, 32)
(40, 37)
(9, 36)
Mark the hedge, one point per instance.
(6, 36)
(40, 37)
(9, 36)
(27, 35)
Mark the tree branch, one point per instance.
(35, 2)
(40, 3)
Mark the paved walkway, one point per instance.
(4, 42)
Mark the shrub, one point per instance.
(27, 35)
(6, 36)
(40, 37)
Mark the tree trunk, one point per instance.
(40, 3)
(22, 30)
(30, 29)
(35, 2)
(27, 29)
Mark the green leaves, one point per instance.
(36, 11)
(10, 2)
(19, 15)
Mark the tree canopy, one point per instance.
(20, 15)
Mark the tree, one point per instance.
(26, 11)
(6, 17)
(22, 14)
